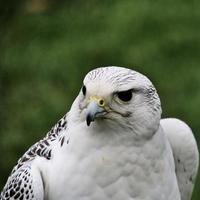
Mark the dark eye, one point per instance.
(125, 95)
(84, 90)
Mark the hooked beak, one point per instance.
(96, 108)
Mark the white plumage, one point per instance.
(111, 145)
(185, 154)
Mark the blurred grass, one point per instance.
(45, 55)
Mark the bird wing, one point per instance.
(25, 181)
(185, 152)
(24, 184)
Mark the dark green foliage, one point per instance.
(45, 55)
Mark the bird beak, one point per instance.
(96, 108)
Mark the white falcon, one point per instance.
(111, 145)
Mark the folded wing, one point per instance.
(186, 155)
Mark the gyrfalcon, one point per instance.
(111, 145)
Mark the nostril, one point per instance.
(101, 102)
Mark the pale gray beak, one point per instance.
(94, 110)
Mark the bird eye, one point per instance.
(84, 90)
(125, 95)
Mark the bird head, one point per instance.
(120, 98)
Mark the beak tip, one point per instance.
(88, 123)
(89, 119)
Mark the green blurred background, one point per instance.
(47, 46)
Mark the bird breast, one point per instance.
(92, 168)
